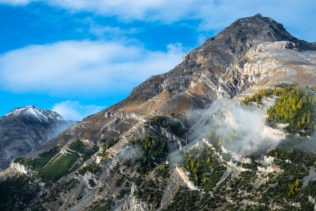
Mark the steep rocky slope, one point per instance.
(224, 66)
(23, 129)
(181, 141)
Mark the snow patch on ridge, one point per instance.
(42, 115)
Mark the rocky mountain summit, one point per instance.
(230, 128)
(254, 50)
(26, 128)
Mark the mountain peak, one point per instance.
(257, 15)
(38, 113)
(247, 32)
(26, 128)
(258, 22)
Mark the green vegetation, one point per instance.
(151, 191)
(56, 190)
(108, 144)
(162, 171)
(244, 182)
(294, 156)
(62, 165)
(37, 163)
(173, 126)
(154, 153)
(69, 185)
(285, 85)
(258, 96)
(284, 187)
(89, 152)
(204, 167)
(107, 207)
(278, 91)
(16, 193)
(58, 168)
(119, 181)
(294, 106)
(123, 192)
(92, 167)
(310, 189)
(105, 146)
(77, 146)
(186, 199)
(92, 183)
(281, 188)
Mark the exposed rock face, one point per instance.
(133, 203)
(210, 67)
(26, 128)
(251, 54)
(250, 51)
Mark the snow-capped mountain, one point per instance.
(43, 115)
(26, 128)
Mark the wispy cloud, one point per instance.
(213, 14)
(112, 32)
(73, 110)
(83, 68)
(17, 2)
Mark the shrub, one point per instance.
(67, 186)
(154, 152)
(92, 183)
(88, 153)
(185, 200)
(257, 98)
(151, 191)
(77, 146)
(173, 126)
(92, 167)
(109, 144)
(17, 189)
(123, 192)
(204, 167)
(162, 171)
(107, 207)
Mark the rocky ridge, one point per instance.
(110, 169)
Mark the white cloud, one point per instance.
(17, 2)
(164, 10)
(83, 68)
(298, 15)
(73, 110)
(112, 32)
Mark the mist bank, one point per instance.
(235, 128)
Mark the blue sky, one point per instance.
(80, 56)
